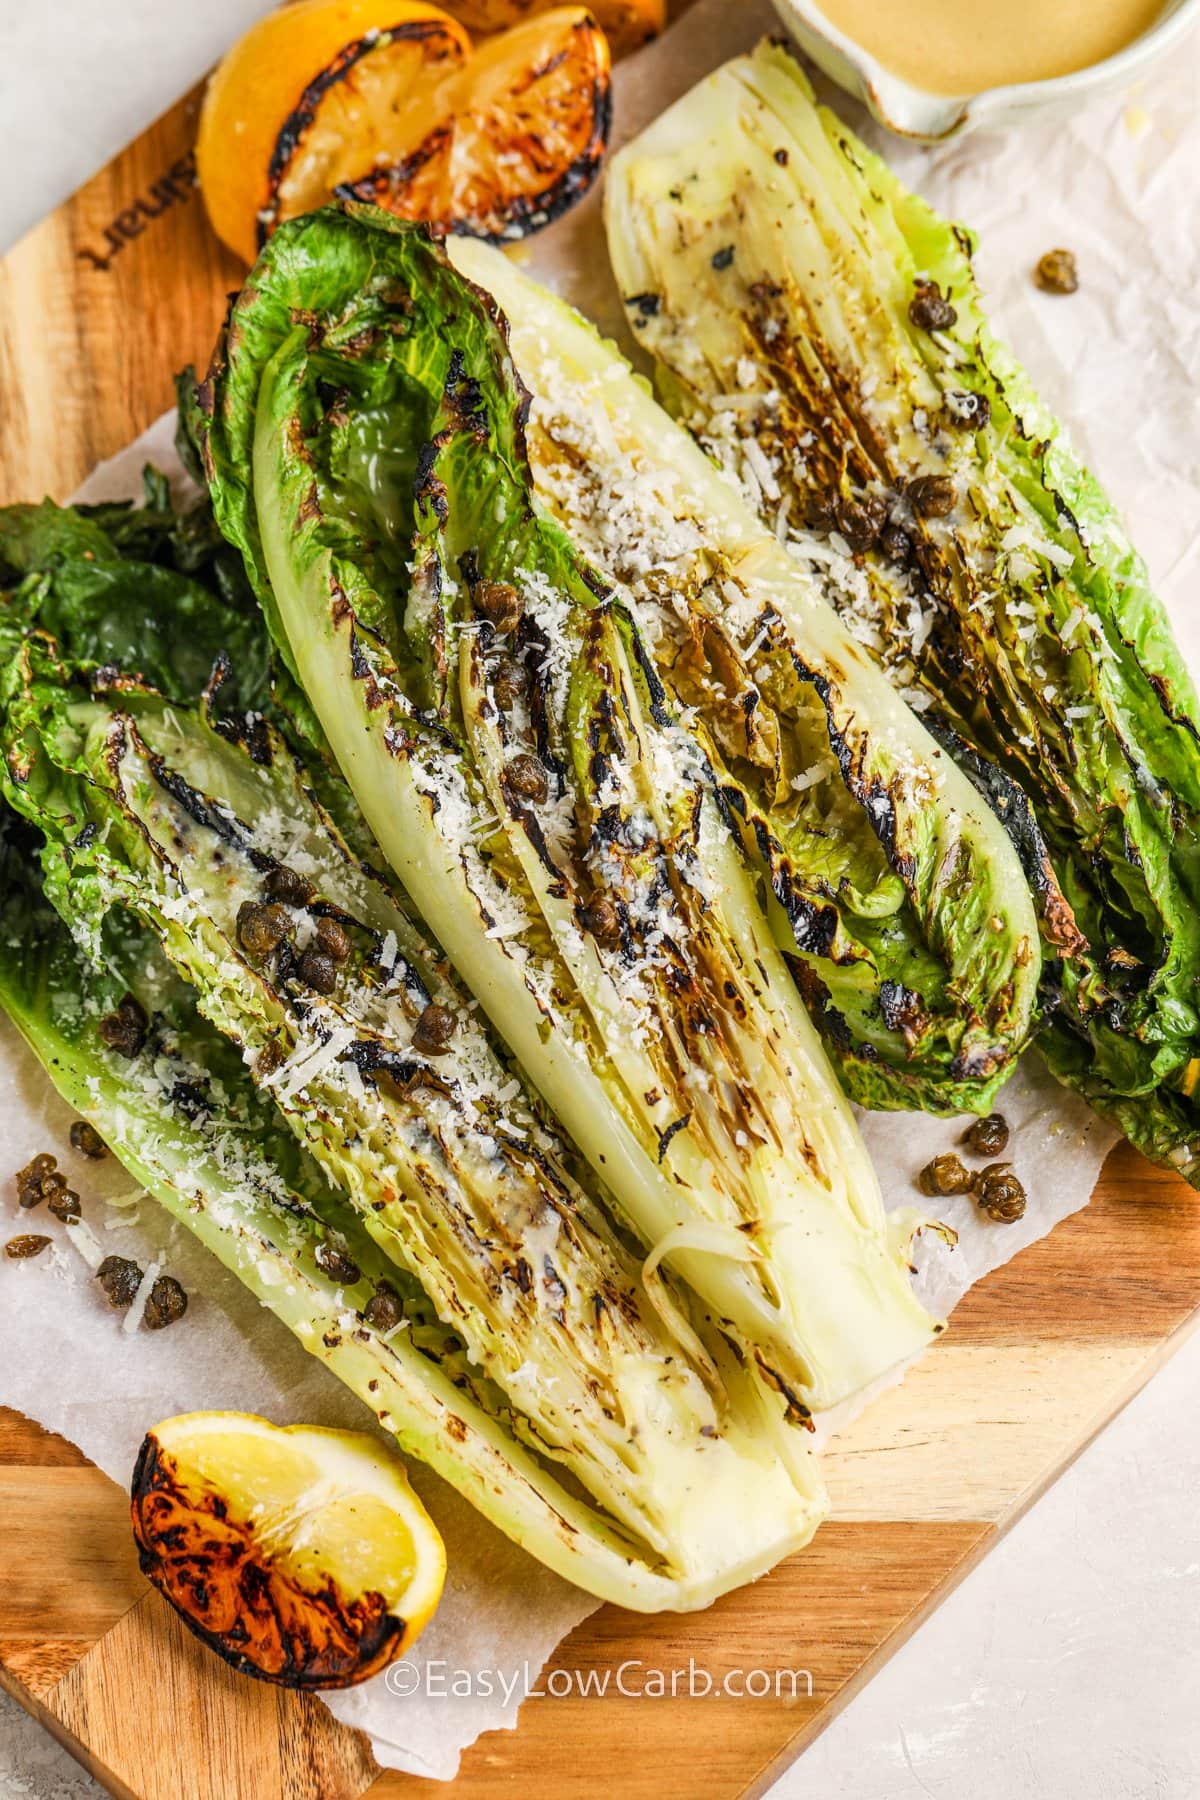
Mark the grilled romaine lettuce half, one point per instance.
(613, 1436)
(822, 331)
(502, 727)
(900, 899)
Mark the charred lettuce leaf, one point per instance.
(899, 901)
(517, 1349)
(496, 713)
(902, 454)
(151, 589)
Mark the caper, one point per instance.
(333, 1256)
(120, 1278)
(261, 927)
(286, 885)
(38, 1180)
(65, 1205)
(333, 940)
(896, 544)
(1000, 1194)
(318, 971)
(87, 1140)
(820, 511)
(970, 411)
(525, 777)
(1056, 272)
(125, 1029)
(499, 603)
(434, 1030)
(861, 520)
(30, 1243)
(166, 1303)
(929, 308)
(932, 496)
(601, 919)
(988, 1137)
(946, 1174)
(509, 683)
(384, 1310)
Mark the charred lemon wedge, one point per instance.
(520, 135)
(389, 102)
(300, 1555)
(305, 96)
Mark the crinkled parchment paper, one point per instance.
(1117, 184)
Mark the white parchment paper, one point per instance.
(1118, 185)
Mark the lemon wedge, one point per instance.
(308, 96)
(301, 1555)
(508, 141)
(317, 102)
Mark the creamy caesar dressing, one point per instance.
(946, 47)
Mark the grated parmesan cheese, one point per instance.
(137, 1307)
(80, 1234)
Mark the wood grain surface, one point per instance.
(98, 307)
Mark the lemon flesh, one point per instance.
(300, 1554)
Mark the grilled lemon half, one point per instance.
(316, 102)
(300, 1555)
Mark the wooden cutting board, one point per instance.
(98, 307)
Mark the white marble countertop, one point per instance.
(1064, 1667)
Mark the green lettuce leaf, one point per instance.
(622, 1443)
(151, 590)
(900, 902)
(765, 252)
(504, 731)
